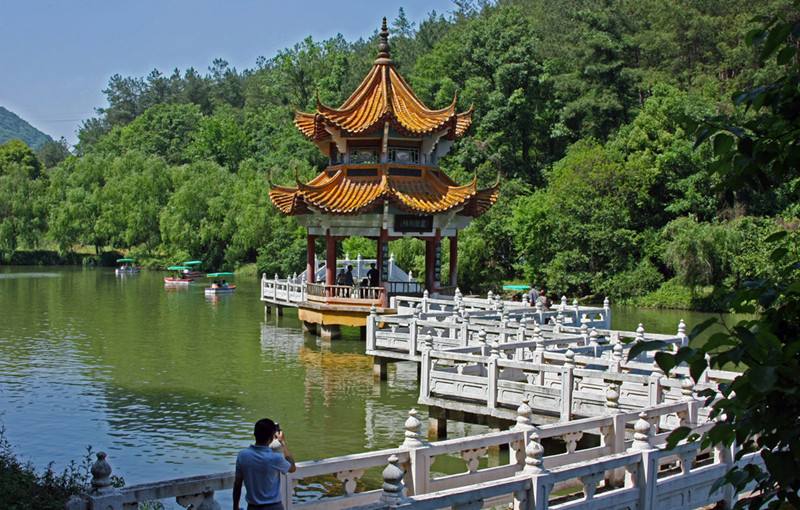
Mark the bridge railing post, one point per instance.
(492, 374)
(372, 327)
(412, 336)
(417, 470)
(567, 380)
(425, 367)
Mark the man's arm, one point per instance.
(286, 453)
(237, 490)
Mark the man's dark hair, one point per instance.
(264, 430)
(372, 265)
(350, 268)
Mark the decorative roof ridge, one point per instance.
(339, 175)
(410, 91)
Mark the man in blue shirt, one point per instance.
(259, 468)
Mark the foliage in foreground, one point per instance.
(24, 488)
(759, 409)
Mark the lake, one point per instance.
(169, 382)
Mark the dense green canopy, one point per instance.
(584, 107)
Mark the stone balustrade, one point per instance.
(558, 385)
(399, 336)
(409, 481)
(505, 310)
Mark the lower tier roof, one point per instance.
(355, 189)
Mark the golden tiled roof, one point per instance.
(356, 188)
(383, 96)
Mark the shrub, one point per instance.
(23, 488)
(638, 281)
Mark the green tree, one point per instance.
(52, 153)
(21, 209)
(759, 409)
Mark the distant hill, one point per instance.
(12, 126)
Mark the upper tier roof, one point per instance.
(383, 96)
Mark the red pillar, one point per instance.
(330, 259)
(311, 269)
(379, 257)
(454, 260)
(429, 261)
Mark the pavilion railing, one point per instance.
(345, 294)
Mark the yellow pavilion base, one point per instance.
(327, 319)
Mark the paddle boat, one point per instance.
(219, 287)
(127, 267)
(178, 277)
(191, 269)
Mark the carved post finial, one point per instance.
(524, 420)
(495, 350)
(612, 396)
(483, 341)
(606, 303)
(640, 333)
(563, 303)
(617, 348)
(534, 456)
(642, 433)
(682, 333)
(392, 482)
(537, 337)
(687, 388)
(373, 311)
(427, 342)
(412, 433)
(593, 337)
(101, 474)
(570, 361)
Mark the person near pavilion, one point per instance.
(372, 274)
(533, 295)
(348, 277)
(258, 468)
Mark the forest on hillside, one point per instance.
(587, 109)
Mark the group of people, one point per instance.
(345, 277)
(534, 296)
(217, 284)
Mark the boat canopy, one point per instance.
(216, 275)
(192, 262)
(516, 287)
(120, 261)
(177, 268)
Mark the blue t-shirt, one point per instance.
(260, 468)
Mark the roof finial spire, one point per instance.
(383, 45)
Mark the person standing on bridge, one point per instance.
(259, 468)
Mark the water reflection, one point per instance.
(170, 383)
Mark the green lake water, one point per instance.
(169, 382)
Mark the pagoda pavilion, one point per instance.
(382, 181)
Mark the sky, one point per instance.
(56, 56)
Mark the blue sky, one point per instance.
(56, 55)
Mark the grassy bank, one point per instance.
(673, 295)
